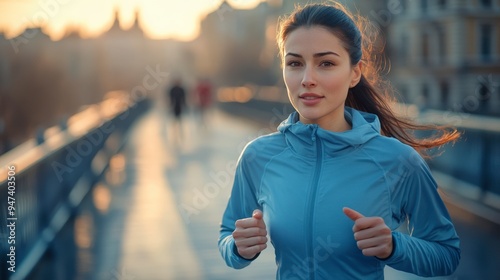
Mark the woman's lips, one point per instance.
(310, 99)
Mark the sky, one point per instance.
(160, 19)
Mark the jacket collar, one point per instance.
(301, 138)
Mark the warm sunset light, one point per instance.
(159, 19)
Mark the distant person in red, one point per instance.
(204, 97)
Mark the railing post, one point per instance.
(40, 137)
(484, 164)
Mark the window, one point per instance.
(485, 41)
(403, 47)
(403, 6)
(425, 95)
(486, 3)
(423, 6)
(442, 4)
(486, 87)
(442, 44)
(445, 93)
(425, 48)
(484, 92)
(484, 96)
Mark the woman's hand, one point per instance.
(373, 236)
(250, 235)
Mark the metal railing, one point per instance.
(470, 168)
(43, 180)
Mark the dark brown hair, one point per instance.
(372, 94)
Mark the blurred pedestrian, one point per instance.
(342, 173)
(177, 97)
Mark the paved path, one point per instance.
(162, 220)
(157, 213)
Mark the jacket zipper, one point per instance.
(310, 208)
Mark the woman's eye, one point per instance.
(327, 64)
(293, 63)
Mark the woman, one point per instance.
(342, 173)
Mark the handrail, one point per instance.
(48, 180)
(474, 160)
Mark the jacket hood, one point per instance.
(302, 137)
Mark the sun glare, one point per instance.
(159, 19)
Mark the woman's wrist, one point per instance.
(235, 250)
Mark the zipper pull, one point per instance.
(314, 132)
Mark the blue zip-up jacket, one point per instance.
(302, 176)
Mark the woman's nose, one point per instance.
(309, 78)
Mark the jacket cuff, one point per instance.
(393, 249)
(235, 251)
(396, 253)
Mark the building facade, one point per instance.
(446, 54)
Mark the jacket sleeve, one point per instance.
(242, 202)
(431, 247)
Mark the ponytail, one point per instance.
(366, 98)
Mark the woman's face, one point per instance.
(318, 74)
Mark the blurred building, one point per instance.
(42, 82)
(238, 46)
(446, 54)
(230, 45)
(30, 85)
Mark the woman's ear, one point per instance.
(356, 74)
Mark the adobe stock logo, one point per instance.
(225, 7)
(84, 148)
(222, 179)
(47, 9)
(74, 157)
(322, 251)
(384, 16)
(202, 196)
(472, 103)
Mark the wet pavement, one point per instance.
(158, 211)
(156, 214)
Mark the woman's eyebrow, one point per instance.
(293, 54)
(320, 54)
(325, 53)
